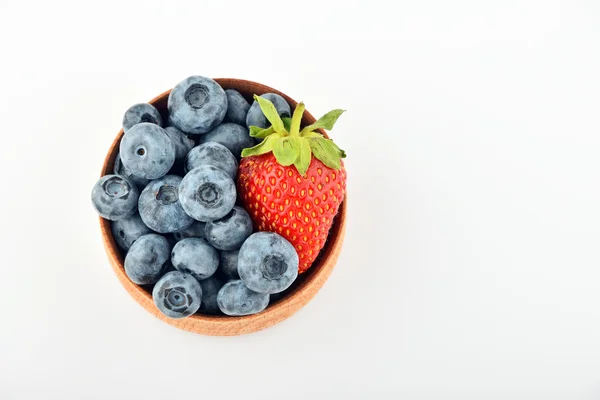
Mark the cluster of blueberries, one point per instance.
(172, 203)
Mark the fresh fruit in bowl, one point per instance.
(294, 180)
(233, 210)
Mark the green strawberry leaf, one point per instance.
(254, 130)
(310, 135)
(289, 146)
(270, 113)
(286, 150)
(263, 147)
(340, 152)
(326, 151)
(296, 120)
(326, 121)
(260, 133)
(303, 161)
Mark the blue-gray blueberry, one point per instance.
(267, 263)
(207, 193)
(160, 208)
(233, 136)
(147, 151)
(177, 295)
(128, 230)
(230, 231)
(181, 142)
(115, 197)
(211, 153)
(195, 256)
(236, 299)
(197, 104)
(142, 112)
(147, 259)
(237, 107)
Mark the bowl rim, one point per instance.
(228, 325)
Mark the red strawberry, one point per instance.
(287, 190)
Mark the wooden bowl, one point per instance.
(305, 287)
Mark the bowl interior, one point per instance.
(325, 260)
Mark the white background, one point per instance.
(471, 267)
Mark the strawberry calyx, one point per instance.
(291, 145)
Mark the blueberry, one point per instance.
(177, 295)
(195, 230)
(267, 263)
(119, 169)
(138, 113)
(237, 107)
(207, 193)
(181, 142)
(235, 137)
(197, 104)
(147, 259)
(228, 264)
(229, 232)
(195, 256)
(115, 197)
(147, 151)
(128, 230)
(256, 117)
(210, 289)
(212, 153)
(160, 208)
(235, 299)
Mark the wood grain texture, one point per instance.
(305, 287)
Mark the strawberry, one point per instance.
(294, 181)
